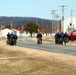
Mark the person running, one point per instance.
(61, 38)
(57, 38)
(15, 38)
(65, 38)
(39, 38)
(8, 38)
(12, 38)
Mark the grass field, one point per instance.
(24, 61)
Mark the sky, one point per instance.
(37, 8)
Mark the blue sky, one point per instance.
(36, 8)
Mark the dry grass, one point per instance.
(23, 61)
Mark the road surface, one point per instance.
(51, 47)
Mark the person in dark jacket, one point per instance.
(12, 36)
(65, 38)
(15, 38)
(8, 38)
(39, 38)
(61, 37)
(57, 38)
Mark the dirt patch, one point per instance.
(24, 61)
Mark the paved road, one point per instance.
(64, 49)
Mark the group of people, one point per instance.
(12, 38)
(61, 38)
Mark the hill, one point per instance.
(21, 21)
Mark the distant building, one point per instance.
(20, 32)
(69, 24)
(5, 31)
(1, 32)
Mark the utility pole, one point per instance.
(22, 27)
(11, 25)
(71, 20)
(62, 26)
(71, 16)
(57, 23)
(36, 21)
(53, 19)
(42, 23)
(46, 29)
